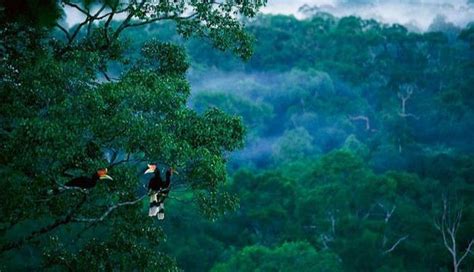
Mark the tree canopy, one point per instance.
(63, 114)
(340, 144)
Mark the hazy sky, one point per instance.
(418, 12)
(292, 6)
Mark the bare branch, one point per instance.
(395, 245)
(468, 251)
(325, 239)
(406, 91)
(405, 115)
(363, 118)
(448, 225)
(443, 228)
(388, 213)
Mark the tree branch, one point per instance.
(104, 73)
(442, 227)
(68, 37)
(404, 97)
(448, 225)
(67, 3)
(125, 22)
(63, 221)
(363, 118)
(93, 18)
(74, 34)
(388, 213)
(113, 12)
(395, 245)
(172, 17)
(468, 250)
(109, 210)
(109, 20)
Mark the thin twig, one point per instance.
(64, 30)
(76, 7)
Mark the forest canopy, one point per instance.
(359, 144)
(318, 144)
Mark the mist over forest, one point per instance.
(275, 88)
(418, 15)
(327, 93)
(327, 87)
(313, 136)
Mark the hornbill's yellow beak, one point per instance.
(106, 177)
(149, 171)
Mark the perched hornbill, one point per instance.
(86, 182)
(158, 190)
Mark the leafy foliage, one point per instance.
(369, 135)
(358, 155)
(290, 256)
(64, 115)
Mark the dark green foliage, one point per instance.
(337, 204)
(165, 58)
(358, 151)
(36, 12)
(64, 114)
(297, 256)
(340, 163)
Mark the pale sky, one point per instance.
(292, 6)
(388, 11)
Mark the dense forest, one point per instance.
(318, 144)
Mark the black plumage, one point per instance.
(88, 182)
(157, 183)
(158, 190)
(84, 182)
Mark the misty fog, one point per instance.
(417, 13)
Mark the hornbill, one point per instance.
(158, 190)
(86, 182)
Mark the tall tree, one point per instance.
(65, 113)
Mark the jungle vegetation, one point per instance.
(317, 144)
